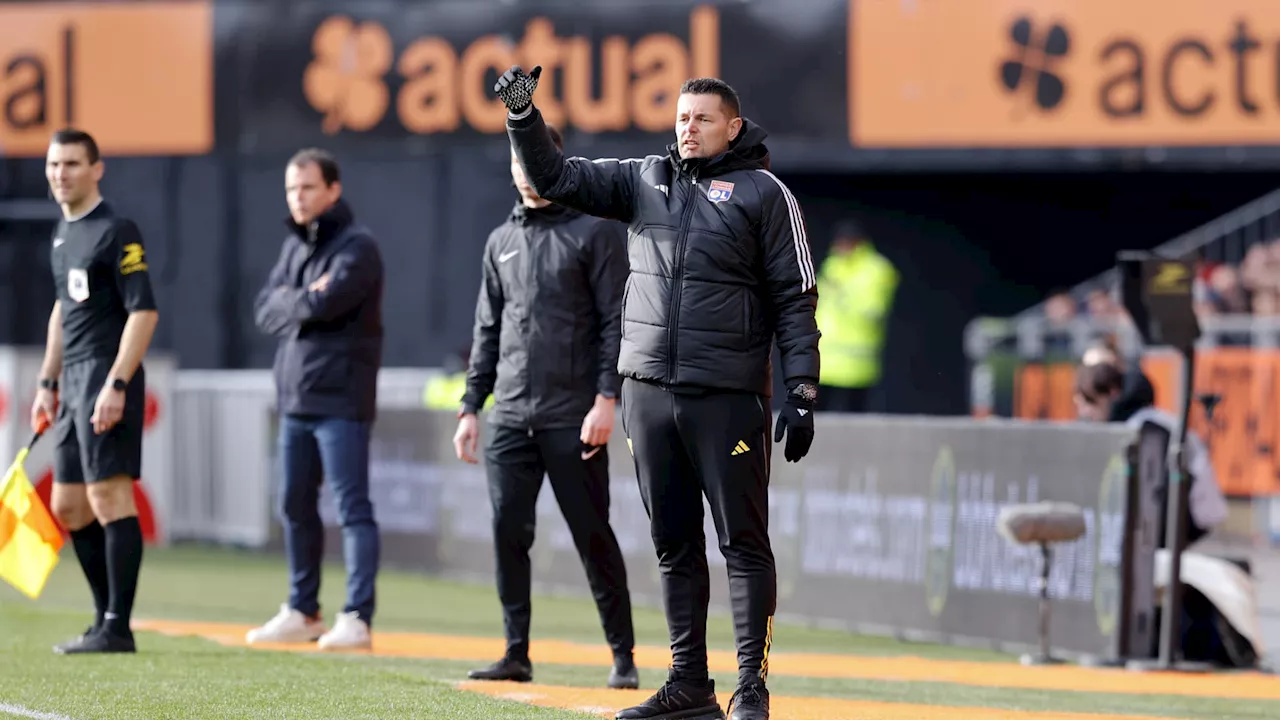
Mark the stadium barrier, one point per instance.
(887, 527)
(1025, 369)
(19, 375)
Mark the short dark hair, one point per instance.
(1098, 380)
(322, 159)
(555, 136)
(72, 136)
(714, 86)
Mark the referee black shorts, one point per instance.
(81, 455)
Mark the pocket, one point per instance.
(748, 318)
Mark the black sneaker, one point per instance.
(505, 669)
(749, 702)
(101, 641)
(624, 675)
(677, 700)
(61, 648)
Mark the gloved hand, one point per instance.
(515, 88)
(796, 419)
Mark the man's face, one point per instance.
(522, 183)
(72, 178)
(1094, 409)
(307, 194)
(703, 129)
(843, 245)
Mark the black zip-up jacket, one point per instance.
(719, 259)
(330, 340)
(547, 320)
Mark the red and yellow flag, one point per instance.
(29, 538)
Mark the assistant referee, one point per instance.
(92, 382)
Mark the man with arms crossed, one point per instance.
(546, 345)
(720, 265)
(93, 383)
(323, 301)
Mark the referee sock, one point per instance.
(124, 560)
(90, 543)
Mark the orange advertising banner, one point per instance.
(1046, 73)
(138, 76)
(1244, 434)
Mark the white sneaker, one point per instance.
(288, 626)
(349, 632)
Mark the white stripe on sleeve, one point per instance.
(799, 238)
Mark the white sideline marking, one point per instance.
(18, 710)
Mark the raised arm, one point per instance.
(603, 188)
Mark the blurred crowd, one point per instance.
(1251, 287)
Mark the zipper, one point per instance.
(677, 281)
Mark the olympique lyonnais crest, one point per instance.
(719, 191)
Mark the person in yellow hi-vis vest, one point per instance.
(445, 391)
(856, 286)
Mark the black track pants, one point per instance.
(718, 444)
(515, 463)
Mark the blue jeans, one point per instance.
(313, 449)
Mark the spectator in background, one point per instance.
(857, 285)
(1060, 308)
(1136, 390)
(1221, 292)
(1059, 313)
(1099, 388)
(1101, 306)
(1260, 276)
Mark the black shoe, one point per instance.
(624, 675)
(76, 641)
(750, 702)
(505, 669)
(102, 641)
(677, 700)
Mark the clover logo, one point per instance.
(1034, 60)
(344, 81)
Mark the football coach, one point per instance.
(719, 267)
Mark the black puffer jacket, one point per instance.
(719, 259)
(547, 319)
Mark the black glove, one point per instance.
(796, 419)
(515, 88)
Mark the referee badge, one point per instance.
(719, 191)
(78, 284)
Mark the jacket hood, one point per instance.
(553, 213)
(746, 152)
(327, 225)
(1136, 394)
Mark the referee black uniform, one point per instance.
(720, 266)
(545, 346)
(102, 280)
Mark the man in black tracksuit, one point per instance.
(546, 346)
(719, 267)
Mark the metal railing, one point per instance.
(1025, 368)
(1224, 239)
